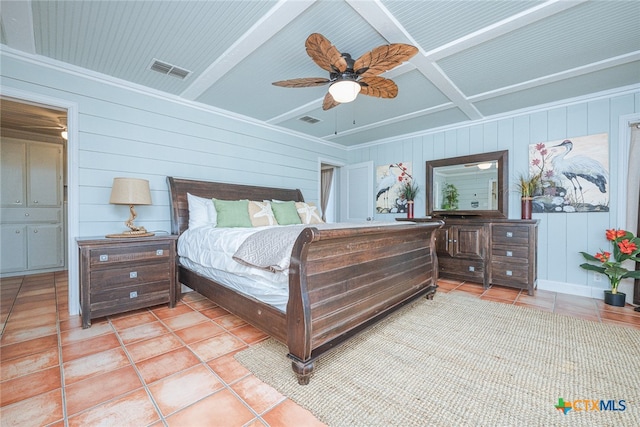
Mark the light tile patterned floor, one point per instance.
(164, 366)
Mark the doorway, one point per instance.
(34, 147)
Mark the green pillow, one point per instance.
(286, 213)
(232, 213)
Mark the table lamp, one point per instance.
(131, 191)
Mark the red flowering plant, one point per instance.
(625, 247)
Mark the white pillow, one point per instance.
(201, 211)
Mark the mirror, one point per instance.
(471, 185)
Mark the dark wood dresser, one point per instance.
(488, 251)
(119, 275)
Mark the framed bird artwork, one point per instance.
(389, 181)
(574, 173)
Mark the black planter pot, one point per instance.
(616, 300)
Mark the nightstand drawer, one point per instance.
(107, 256)
(510, 235)
(156, 291)
(128, 275)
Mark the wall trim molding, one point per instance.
(625, 90)
(144, 90)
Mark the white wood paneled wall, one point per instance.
(124, 131)
(561, 236)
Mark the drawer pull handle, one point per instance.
(17, 231)
(509, 273)
(509, 253)
(509, 234)
(159, 252)
(104, 258)
(35, 201)
(35, 231)
(133, 274)
(27, 214)
(17, 202)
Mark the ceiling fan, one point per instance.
(347, 76)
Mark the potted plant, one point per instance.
(625, 247)
(527, 186)
(408, 191)
(449, 197)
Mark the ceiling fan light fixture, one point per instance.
(344, 90)
(484, 166)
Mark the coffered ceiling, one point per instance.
(476, 59)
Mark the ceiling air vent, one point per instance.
(309, 119)
(169, 69)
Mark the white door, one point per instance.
(357, 192)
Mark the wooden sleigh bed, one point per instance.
(340, 281)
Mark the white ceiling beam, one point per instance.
(17, 23)
(271, 23)
(562, 75)
(501, 28)
(386, 24)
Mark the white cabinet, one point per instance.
(31, 206)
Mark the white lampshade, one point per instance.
(484, 165)
(344, 90)
(130, 191)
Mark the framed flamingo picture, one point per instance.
(574, 173)
(389, 180)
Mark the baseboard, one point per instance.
(583, 290)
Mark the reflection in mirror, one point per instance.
(468, 185)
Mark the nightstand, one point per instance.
(119, 275)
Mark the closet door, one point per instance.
(13, 248)
(45, 176)
(13, 157)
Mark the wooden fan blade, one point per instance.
(383, 58)
(302, 82)
(329, 102)
(325, 54)
(378, 87)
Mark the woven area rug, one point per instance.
(462, 361)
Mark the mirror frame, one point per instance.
(501, 157)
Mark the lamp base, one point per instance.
(129, 234)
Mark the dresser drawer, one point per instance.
(510, 253)
(128, 275)
(510, 235)
(509, 274)
(108, 256)
(461, 268)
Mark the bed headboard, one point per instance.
(178, 189)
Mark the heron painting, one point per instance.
(574, 173)
(389, 180)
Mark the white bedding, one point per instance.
(209, 251)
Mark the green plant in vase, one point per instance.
(409, 190)
(625, 247)
(449, 197)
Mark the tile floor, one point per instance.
(161, 366)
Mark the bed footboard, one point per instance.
(343, 280)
